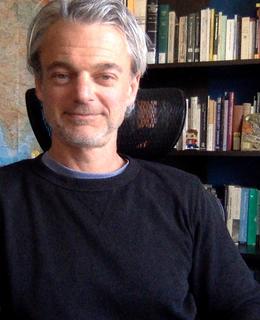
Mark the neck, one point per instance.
(92, 160)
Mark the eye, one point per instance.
(61, 78)
(106, 79)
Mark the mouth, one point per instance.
(82, 116)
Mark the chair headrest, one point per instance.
(151, 130)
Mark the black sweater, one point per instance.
(147, 244)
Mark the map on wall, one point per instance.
(17, 140)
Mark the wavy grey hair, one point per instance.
(111, 12)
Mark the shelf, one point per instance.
(250, 253)
(206, 64)
(200, 153)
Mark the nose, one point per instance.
(83, 89)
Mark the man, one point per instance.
(87, 233)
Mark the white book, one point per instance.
(140, 12)
(230, 39)
(171, 37)
(245, 40)
(233, 211)
(205, 34)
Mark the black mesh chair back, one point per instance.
(152, 129)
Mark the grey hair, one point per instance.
(111, 12)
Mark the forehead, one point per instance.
(92, 42)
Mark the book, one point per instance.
(238, 113)
(222, 37)
(140, 9)
(245, 40)
(203, 126)
(216, 36)
(197, 38)
(257, 36)
(218, 116)
(171, 37)
(211, 34)
(242, 238)
(230, 97)
(191, 37)
(211, 111)
(250, 138)
(233, 211)
(163, 27)
(225, 122)
(230, 34)
(151, 29)
(252, 39)
(252, 216)
(205, 34)
(182, 46)
(131, 5)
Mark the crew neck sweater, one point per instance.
(149, 243)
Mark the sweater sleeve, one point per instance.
(223, 286)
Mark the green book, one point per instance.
(163, 26)
(252, 216)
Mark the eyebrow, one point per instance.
(98, 67)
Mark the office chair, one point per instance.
(149, 132)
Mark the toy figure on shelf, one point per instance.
(192, 139)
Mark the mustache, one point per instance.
(83, 110)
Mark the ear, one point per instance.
(38, 87)
(133, 88)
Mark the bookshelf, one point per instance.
(213, 78)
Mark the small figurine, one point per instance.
(192, 139)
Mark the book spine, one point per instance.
(163, 27)
(171, 36)
(245, 29)
(203, 126)
(211, 34)
(182, 53)
(218, 144)
(216, 36)
(197, 38)
(211, 107)
(140, 11)
(252, 215)
(237, 126)
(230, 120)
(176, 41)
(230, 39)
(151, 29)
(242, 238)
(252, 38)
(190, 37)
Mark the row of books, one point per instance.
(207, 35)
(221, 125)
(241, 213)
(242, 206)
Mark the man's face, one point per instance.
(86, 82)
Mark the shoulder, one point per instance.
(16, 170)
(168, 174)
